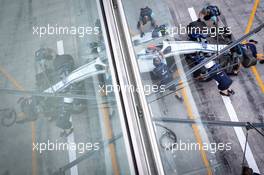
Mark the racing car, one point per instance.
(228, 60)
(56, 74)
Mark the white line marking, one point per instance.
(60, 48)
(70, 138)
(192, 14)
(233, 117)
(240, 134)
(72, 153)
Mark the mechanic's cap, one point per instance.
(156, 61)
(253, 41)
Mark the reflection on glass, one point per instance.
(55, 115)
(169, 52)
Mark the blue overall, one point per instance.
(163, 73)
(224, 82)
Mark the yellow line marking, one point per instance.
(33, 127)
(11, 79)
(195, 128)
(249, 25)
(258, 78)
(196, 131)
(252, 16)
(109, 135)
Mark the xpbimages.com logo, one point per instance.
(193, 30)
(64, 146)
(80, 31)
(147, 89)
(192, 146)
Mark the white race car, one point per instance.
(174, 48)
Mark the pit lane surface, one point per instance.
(247, 102)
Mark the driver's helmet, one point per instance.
(151, 48)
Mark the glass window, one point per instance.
(192, 108)
(58, 109)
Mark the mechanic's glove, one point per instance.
(142, 34)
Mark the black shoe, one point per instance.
(142, 34)
(232, 92)
(138, 24)
(224, 94)
(261, 61)
(178, 97)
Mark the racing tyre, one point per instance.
(9, 117)
(78, 106)
(62, 61)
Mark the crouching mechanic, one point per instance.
(163, 74)
(146, 15)
(215, 72)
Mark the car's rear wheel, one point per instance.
(9, 117)
(62, 61)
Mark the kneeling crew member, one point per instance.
(215, 72)
(146, 15)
